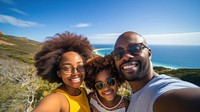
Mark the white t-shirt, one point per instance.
(94, 100)
(143, 100)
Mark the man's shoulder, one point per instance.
(166, 81)
(163, 83)
(179, 100)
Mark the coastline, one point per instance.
(155, 64)
(169, 56)
(96, 51)
(165, 66)
(187, 74)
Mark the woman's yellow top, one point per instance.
(77, 103)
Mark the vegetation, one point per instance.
(18, 83)
(21, 90)
(190, 75)
(24, 59)
(18, 46)
(18, 86)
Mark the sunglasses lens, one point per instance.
(99, 86)
(118, 53)
(135, 48)
(111, 82)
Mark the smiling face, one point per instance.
(68, 69)
(133, 67)
(108, 92)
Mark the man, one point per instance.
(151, 92)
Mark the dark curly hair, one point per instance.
(98, 64)
(48, 58)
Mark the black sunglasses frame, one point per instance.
(100, 85)
(117, 54)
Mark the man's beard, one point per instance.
(140, 73)
(131, 77)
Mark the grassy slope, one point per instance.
(18, 48)
(190, 75)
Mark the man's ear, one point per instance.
(58, 73)
(150, 53)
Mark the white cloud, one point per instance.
(109, 38)
(18, 11)
(8, 1)
(17, 22)
(83, 25)
(192, 38)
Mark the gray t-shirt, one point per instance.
(143, 100)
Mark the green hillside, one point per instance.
(20, 89)
(19, 48)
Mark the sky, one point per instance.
(161, 22)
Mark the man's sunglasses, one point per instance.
(109, 81)
(133, 49)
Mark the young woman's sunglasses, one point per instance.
(109, 81)
(133, 49)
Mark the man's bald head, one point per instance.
(132, 37)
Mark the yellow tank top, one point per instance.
(77, 103)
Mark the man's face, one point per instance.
(134, 65)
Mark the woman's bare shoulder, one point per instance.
(53, 102)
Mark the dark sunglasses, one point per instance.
(133, 49)
(109, 81)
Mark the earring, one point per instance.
(58, 74)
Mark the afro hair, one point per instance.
(48, 58)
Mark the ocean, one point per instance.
(170, 56)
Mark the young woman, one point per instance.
(102, 79)
(62, 60)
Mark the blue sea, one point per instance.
(170, 56)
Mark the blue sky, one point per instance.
(174, 22)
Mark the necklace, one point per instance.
(79, 92)
(108, 108)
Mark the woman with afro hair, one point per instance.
(102, 77)
(61, 60)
